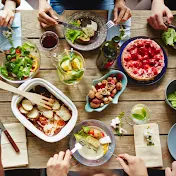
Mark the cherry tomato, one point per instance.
(102, 134)
(18, 51)
(91, 132)
(60, 123)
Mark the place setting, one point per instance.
(43, 105)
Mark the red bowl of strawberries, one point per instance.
(106, 90)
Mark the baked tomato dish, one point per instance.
(143, 59)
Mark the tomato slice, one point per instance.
(91, 132)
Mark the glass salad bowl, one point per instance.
(19, 61)
(88, 158)
(70, 66)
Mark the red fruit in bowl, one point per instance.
(112, 82)
(112, 75)
(119, 77)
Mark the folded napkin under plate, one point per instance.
(9, 157)
(114, 31)
(16, 26)
(152, 155)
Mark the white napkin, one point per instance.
(9, 157)
(152, 155)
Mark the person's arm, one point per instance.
(46, 14)
(59, 164)
(133, 166)
(7, 14)
(121, 12)
(17, 2)
(159, 11)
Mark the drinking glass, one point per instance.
(49, 41)
(140, 114)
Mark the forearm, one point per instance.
(10, 5)
(9, 2)
(1, 170)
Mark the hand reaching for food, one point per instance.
(46, 14)
(59, 164)
(169, 172)
(121, 12)
(7, 15)
(159, 11)
(134, 166)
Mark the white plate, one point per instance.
(27, 86)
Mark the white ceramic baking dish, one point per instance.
(27, 86)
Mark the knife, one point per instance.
(9, 137)
(71, 26)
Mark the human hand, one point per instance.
(121, 12)
(59, 164)
(7, 15)
(169, 172)
(135, 166)
(46, 14)
(159, 11)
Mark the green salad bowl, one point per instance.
(24, 62)
(88, 108)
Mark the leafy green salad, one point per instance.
(169, 37)
(20, 63)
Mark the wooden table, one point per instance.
(153, 96)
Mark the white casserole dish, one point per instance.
(27, 86)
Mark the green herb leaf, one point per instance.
(144, 112)
(138, 116)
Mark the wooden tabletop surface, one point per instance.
(153, 96)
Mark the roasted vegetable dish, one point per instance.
(51, 121)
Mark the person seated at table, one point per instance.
(7, 14)
(161, 14)
(59, 165)
(48, 18)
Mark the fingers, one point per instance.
(125, 156)
(174, 168)
(123, 164)
(2, 18)
(10, 22)
(160, 22)
(169, 16)
(127, 15)
(50, 161)
(168, 172)
(67, 156)
(51, 11)
(120, 16)
(61, 156)
(43, 17)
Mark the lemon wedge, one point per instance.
(76, 64)
(66, 66)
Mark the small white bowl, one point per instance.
(27, 86)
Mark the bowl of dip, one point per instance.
(92, 153)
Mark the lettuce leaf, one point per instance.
(169, 37)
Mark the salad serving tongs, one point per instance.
(33, 97)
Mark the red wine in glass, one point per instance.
(49, 40)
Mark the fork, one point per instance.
(33, 97)
(110, 24)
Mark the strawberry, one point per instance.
(109, 64)
(112, 75)
(112, 82)
(119, 77)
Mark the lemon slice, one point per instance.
(66, 66)
(76, 64)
